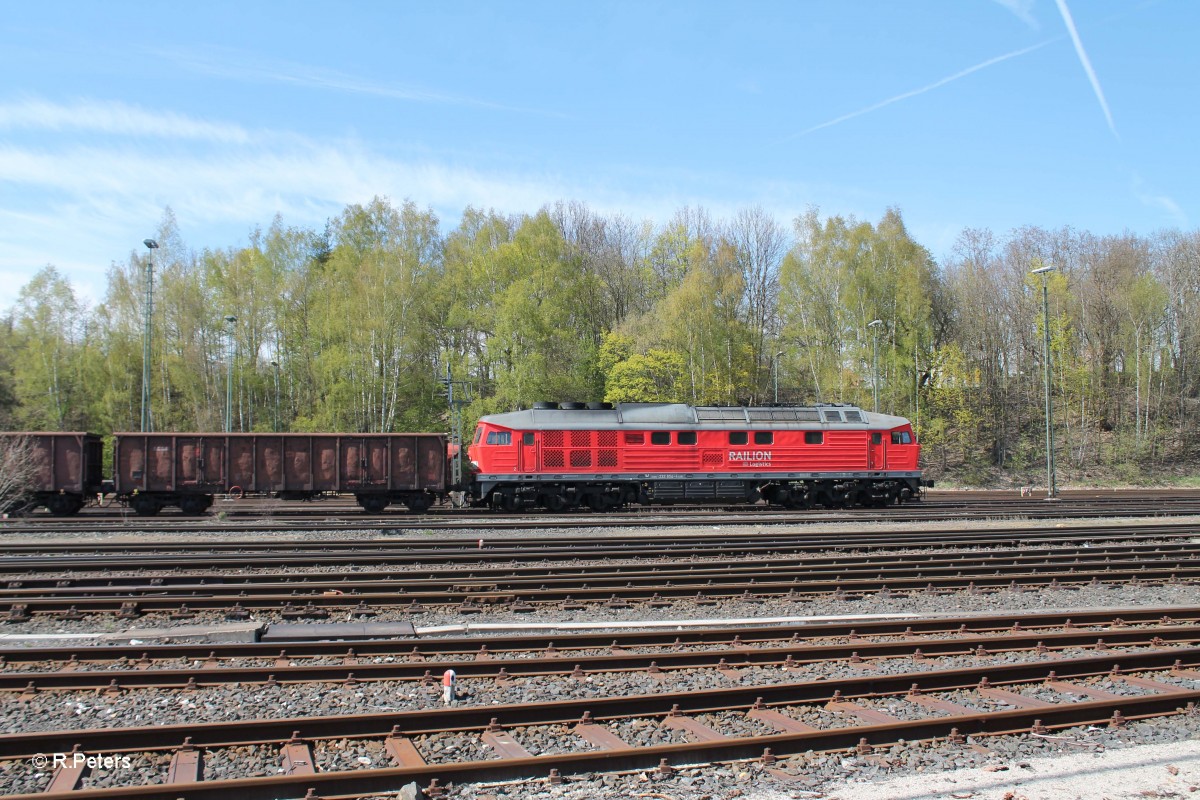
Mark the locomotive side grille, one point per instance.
(606, 439)
(713, 459)
(552, 458)
(552, 438)
(606, 458)
(635, 438)
(581, 458)
(581, 438)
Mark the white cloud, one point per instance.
(83, 206)
(114, 118)
(1148, 197)
(238, 65)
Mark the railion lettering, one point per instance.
(750, 455)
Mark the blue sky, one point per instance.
(962, 113)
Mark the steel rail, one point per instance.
(106, 581)
(59, 556)
(602, 709)
(417, 600)
(502, 646)
(266, 520)
(459, 543)
(570, 664)
(525, 578)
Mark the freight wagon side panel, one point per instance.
(143, 463)
(200, 464)
(60, 462)
(298, 473)
(268, 464)
(326, 476)
(431, 456)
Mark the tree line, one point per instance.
(353, 327)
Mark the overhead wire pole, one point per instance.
(874, 325)
(456, 421)
(1051, 481)
(778, 356)
(275, 364)
(151, 245)
(229, 376)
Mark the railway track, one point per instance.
(649, 572)
(337, 514)
(707, 576)
(765, 698)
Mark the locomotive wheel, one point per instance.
(601, 502)
(372, 503)
(552, 501)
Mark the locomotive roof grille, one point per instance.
(676, 416)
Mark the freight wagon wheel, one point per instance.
(145, 506)
(64, 505)
(372, 503)
(418, 504)
(194, 505)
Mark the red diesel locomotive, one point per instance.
(601, 456)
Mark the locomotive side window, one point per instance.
(499, 437)
(687, 437)
(901, 437)
(526, 438)
(660, 437)
(764, 437)
(876, 438)
(478, 434)
(814, 437)
(635, 438)
(738, 437)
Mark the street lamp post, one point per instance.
(275, 364)
(151, 245)
(778, 356)
(229, 375)
(875, 325)
(1051, 483)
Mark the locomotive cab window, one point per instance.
(499, 437)
(686, 437)
(764, 437)
(660, 437)
(901, 437)
(478, 434)
(738, 437)
(876, 438)
(814, 437)
(526, 438)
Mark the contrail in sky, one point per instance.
(964, 73)
(1087, 64)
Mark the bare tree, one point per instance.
(18, 471)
